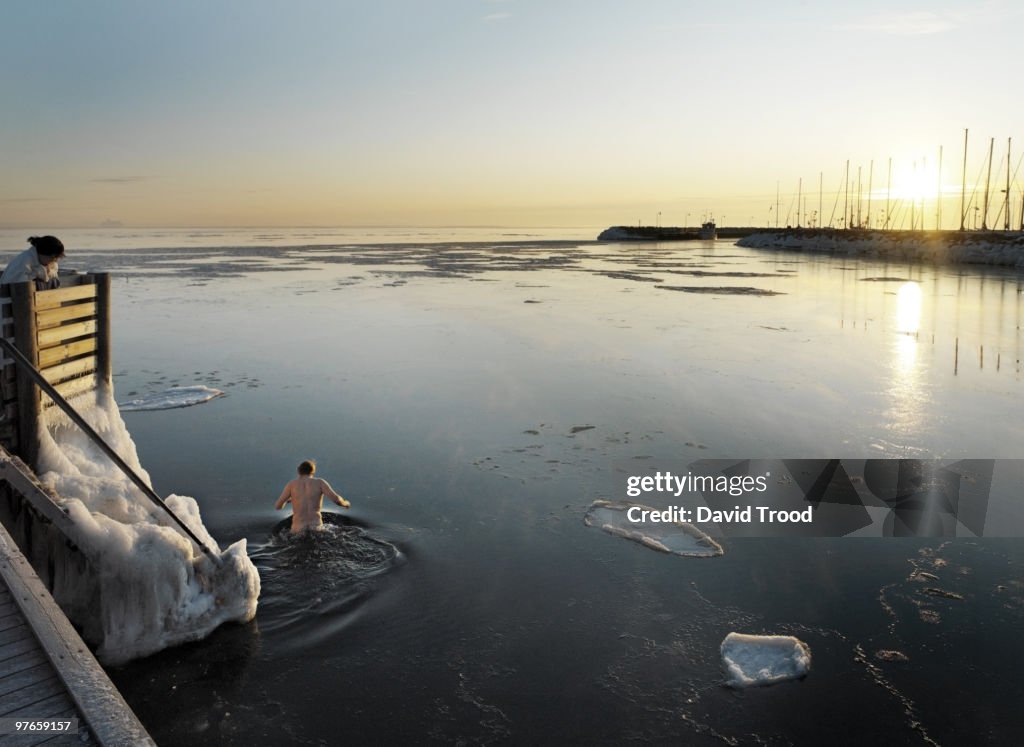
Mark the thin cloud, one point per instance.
(120, 179)
(925, 22)
(915, 23)
(496, 17)
(25, 199)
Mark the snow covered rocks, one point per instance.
(751, 660)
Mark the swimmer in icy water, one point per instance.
(306, 494)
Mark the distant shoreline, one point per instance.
(669, 233)
(996, 249)
(993, 248)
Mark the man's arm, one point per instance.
(329, 492)
(285, 497)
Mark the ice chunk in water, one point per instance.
(176, 396)
(764, 659)
(678, 538)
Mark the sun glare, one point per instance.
(916, 182)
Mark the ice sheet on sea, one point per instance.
(176, 396)
(751, 660)
(153, 587)
(678, 538)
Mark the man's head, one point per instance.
(48, 248)
(307, 468)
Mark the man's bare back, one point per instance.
(306, 494)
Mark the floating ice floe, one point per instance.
(751, 660)
(677, 538)
(145, 586)
(176, 396)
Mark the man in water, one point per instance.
(306, 494)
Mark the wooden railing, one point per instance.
(65, 333)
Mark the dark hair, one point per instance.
(49, 246)
(308, 467)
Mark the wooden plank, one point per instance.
(9, 619)
(72, 388)
(101, 705)
(43, 708)
(13, 666)
(104, 361)
(25, 677)
(39, 696)
(57, 353)
(58, 316)
(42, 740)
(23, 295)
(22, 480)
(51, 299)
(15, 633)
(30, 740)
(53, 374)
(56, 335)
(17, 648)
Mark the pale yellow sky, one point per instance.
(474, 112)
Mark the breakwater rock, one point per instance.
(952, 247)
(668, 233)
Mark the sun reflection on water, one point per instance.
(906, 387)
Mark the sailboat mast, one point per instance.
(913, 202)
(963, 188)
(871, 177)
(888, 194)
(858, 197)
(1006, 223)
(924, 170)
(938, 196)
(799, 196)
(988, 182)
(846, 196)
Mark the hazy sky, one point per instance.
(489, 112)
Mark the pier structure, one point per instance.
(65, 334)
(46, 670)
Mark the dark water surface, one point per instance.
(471, 400)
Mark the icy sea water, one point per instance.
(470, 399)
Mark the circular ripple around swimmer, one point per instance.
(314, 583)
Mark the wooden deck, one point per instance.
(46, 670)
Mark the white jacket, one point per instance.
(26, 266)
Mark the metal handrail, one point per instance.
(63, 404)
